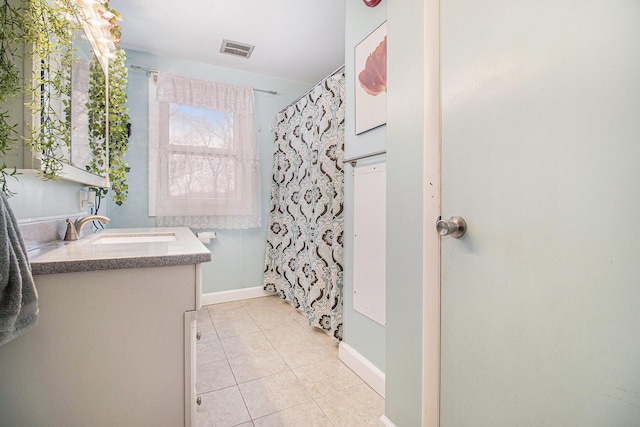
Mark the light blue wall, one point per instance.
(396, 348)
(36, 198)
(361, 333)
(237, 255)
(405, 213)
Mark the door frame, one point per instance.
(432, 209)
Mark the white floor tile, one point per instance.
(226, 312)
(356, 406)
(236, 327)
(222, 408)
(272, 394)
(209, 351)
(276, 320)
(327, 377)
(214, 376)
(260, 364)
(307, 414)
(304, 353)
(250, 366)
(253, 343)
(288, 335)
(203, 317)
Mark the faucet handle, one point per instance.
(71, 233)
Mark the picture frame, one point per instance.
(370, 67)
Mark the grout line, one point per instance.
(244, 401)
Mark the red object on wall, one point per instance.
(372, 3)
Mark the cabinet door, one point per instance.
(190, 333)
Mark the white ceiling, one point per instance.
(299, 40)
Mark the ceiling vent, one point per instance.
(236, 48)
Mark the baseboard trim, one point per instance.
(386, 421)
(234, 295)
(361, 366)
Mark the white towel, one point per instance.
(18, 295)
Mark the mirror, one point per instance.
(94, 43)
(80, 154)
(60, 98)
(47, 108)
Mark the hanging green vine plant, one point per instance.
(44, 30)
(118, 126)
(50, 28)
(11, 30)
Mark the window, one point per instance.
(203, 159)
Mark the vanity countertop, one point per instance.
(121, 248)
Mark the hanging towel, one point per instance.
(18, 295)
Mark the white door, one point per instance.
(541, 157)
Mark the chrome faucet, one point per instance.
(75, 228)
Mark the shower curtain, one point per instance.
(304, 255)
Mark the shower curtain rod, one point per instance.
(312, 87)
(147, 70)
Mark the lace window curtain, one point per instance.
(203, 154)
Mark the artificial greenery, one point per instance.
(118, 126)
(44, 30)
(50, 33)
(97, 118)
(11, 29)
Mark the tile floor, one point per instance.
(260, 364)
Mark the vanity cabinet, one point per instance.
(113, 347)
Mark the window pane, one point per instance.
(200, 127)
(202, 176)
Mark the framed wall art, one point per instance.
(371, 80)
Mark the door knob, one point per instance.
(454, 227)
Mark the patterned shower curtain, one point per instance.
(304, 256)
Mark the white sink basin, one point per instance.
(106, 239)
